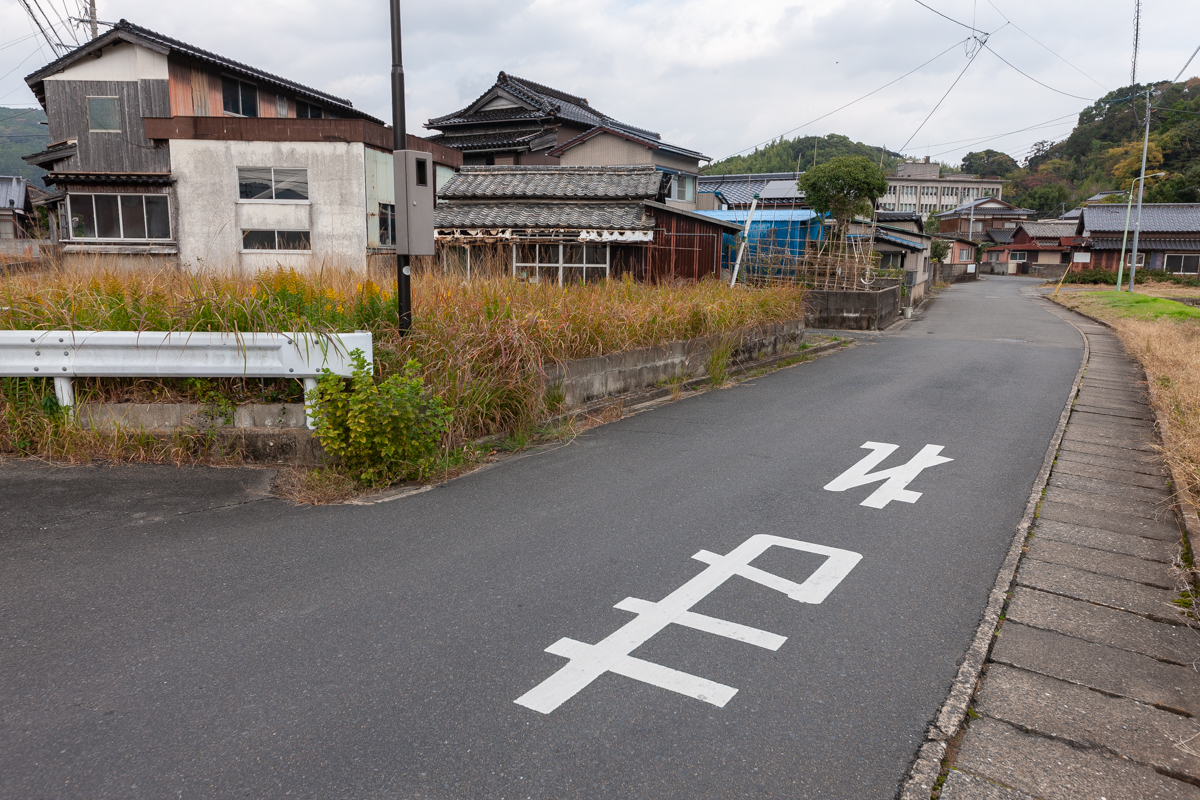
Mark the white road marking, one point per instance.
(590, 661)
(895, 478)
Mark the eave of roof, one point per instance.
(654, 144)
(731, 226)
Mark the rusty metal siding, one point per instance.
(126, 151)
(180, 78)
(684, 248)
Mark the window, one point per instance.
(1018, 255)
(238, 97)
(994, 256)
(275, 240)
(1141, 259)
(272, 183)
(977, 227)
(387, 224)
(964, 254)
(560, 263)
(307, 111)
(119, 216)
(683, 188)
(1182, 263)
(891, 260)
(104, 114)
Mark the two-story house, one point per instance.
(165, 150)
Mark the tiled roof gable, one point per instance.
(554, 183)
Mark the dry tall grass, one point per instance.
(483, 345)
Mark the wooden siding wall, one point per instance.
(684, 248)
(126, 151)
(196, 92)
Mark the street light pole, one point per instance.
(399, 145)
(1137, 226)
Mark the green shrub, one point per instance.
(1162, 276)
(379, 432)
(1092, 276)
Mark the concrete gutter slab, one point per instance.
(1101, 562)
(1102, 589)
(1138, 546)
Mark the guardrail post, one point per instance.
(65, 390)
(310, 391)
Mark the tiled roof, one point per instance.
(740, 189)
(1170, 244)
(554, 182)
(544, 103)
(1008, 210)
(1049, 229)
(133, 33)
(1001, 235)
(12, 192)
(1156, 217)
(525, 216)
(480, 141)
(900, 216)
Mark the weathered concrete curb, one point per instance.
(949, 720)
(1186, 508)
(587, 379)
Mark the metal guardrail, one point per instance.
(64, 355)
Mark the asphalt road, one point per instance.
(247, 648)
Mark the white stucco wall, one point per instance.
(121, 62)
(606, 150)
(209, 218)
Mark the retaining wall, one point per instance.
(859, 311)
(593, 378)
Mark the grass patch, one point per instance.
(1123, 305)
(483, 347)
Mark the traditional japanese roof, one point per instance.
(513, 98)
(740, 189)
(1001, 235)
(116, 178)
(1001, 209)
(555, 183)
(59, 151)
(13, 192)
(136, 34)
(1146, 243)
(1156, 218)
(489, 140)
(574, 216)
(649, 140)
(1049, 229)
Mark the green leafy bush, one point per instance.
(1092, 276)
(380, 432)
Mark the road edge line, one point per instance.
(923, 774)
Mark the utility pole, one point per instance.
(1137, 226)
(399, 146)
(92, 18)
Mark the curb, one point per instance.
(1186, 508)
(950, 717)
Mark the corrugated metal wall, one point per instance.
(684, 248)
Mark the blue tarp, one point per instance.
(789, 228)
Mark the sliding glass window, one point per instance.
(119, 216)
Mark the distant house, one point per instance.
(520, 122)
(921, 187)
(777, 190)
(901, 246)
(16, 207)
(960, 260)
(1037, 248)
(1169, 238)
(973, 218)
(577, 224)
(165, 150)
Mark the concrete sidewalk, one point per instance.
(1092, 688)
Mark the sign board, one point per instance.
(970, 269)
(1082, 258)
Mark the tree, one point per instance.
(938, 250)
(845, 186)
(988, 162)
(1047, 200)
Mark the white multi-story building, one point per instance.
(921, 187)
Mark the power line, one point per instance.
(1185, 66)
(971, 28)
(947, 94)
(1035, 80)
(1047, 123)
(1047, 49)
(974, 142)
(852, 102)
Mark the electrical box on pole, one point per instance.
(415, 178)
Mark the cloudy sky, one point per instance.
(715, 75)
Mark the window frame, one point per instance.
(387, 221)
(273, 198)
(1141, 262)
(1024, 255)
(276, 232)
(1181, 257)
(240, 112)
(120, 218)
(116, 101)
(560, 266)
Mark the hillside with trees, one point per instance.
(1104, 152)
(20, 135)
(783, 155)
